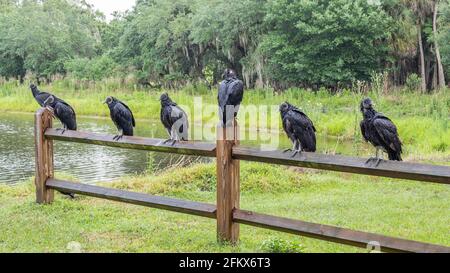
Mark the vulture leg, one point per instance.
(291, 150)
(61, 129)
(119, 136)
(376, 160)
(171, 138)
(297, 148)
(174, 137)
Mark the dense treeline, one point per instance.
(277, 43)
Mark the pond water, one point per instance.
(92, 164)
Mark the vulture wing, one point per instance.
(387, 132)
(65, 113)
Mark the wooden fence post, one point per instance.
(228, 188)
(44, 156)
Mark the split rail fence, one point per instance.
(227, 211)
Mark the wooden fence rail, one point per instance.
(227, 210)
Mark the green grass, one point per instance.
(423, 120)
(412, 210)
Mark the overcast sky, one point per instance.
(109, 6)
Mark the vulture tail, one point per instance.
(395, 156)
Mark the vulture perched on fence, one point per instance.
(63, 111)
(122, 117)
(381, 132)
(299, 128)
(174, 120)
(231, 92)
(60, 109)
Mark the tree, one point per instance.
(421, 9)
(329, 43)
(444, 34)
(30, 40)
(440, 67)
(228, 34)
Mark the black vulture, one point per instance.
(381, 132)
(45, 99)
(63, 111)
(122, 117)
(40, 97)
(174, 120)
(231, 92)
(299, 128)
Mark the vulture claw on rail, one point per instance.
(118, 137)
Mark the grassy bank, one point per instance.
(404, 209)
(423, 120)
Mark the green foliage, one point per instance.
(30, 40)
(255, 178)
(92, 69)
(172, 44)
(277, 245)
(411, 210)
(325, 42)
(444, 35)
(413, 82)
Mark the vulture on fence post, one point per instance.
(59, 109)
(63, 111)
(122, 117)
(174, 120)
(231, 92)
(381, 132)
(299, 128)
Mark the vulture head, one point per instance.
(229, 73)
(110, 101)
(33, 86)
(285, 107)
(49, 101)
(366, 105)
(165, 99)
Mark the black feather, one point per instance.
(298, 127)
(231, 93)
(65, 113)
(174, 119)
(62, 110)
(122, 116)
(380, 131)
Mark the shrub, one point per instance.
(91, 69)
(413, 82)
(277, 245)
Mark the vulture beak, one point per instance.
(105, 101)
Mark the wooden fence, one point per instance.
(227, 210)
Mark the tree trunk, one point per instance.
(422, 59)
(440, 68)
